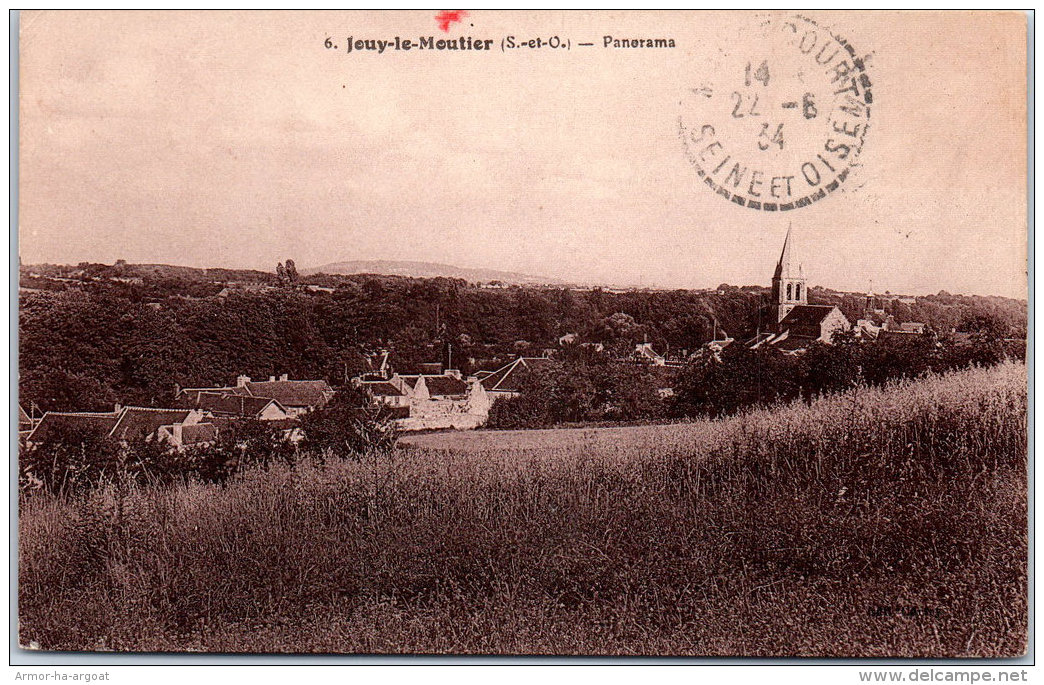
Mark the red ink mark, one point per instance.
(447, 17)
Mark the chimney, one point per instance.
(271, 379)
(284, 377)
(241, 381)
(117, 408)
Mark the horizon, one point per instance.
(551, 282)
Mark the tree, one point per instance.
(743, 378)
(280, 273)
(291, 271)
(349, 426)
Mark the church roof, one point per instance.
(786, 268)
(806, 315)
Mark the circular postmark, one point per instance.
(781, 122)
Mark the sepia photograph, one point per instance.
(483, 333)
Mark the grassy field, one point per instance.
(884, 522)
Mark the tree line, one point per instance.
(103, 341)
(581, 387)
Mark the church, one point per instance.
(789, 322)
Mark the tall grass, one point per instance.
(887, 521)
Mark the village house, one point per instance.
(298, 397)
(430, 400)
(891, 327)
(384, 391)
(867, 327)
(379, 366)
(295, 397)
(56, 423)
(506, 381)
(25, 422)
(242, 406)
(645, 354)
(142, 423)
(184, 436)
(179, 427)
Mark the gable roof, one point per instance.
(198, 433)
(437, 384)
(381, 389)
(141, 422)
(445, 385)
(100, 422)
(644, 351)
(806, 315)
(505, 379)
(793, 344)
(192, 394)
(293, 393)
(240, 405)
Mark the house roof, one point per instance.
(760, 339)
(806, 315)
(721, 344)
(100, 422)
(195, 434)
(505, 379)
(240, 405)
(437, 384)
(192, 394)
(646, 351)
(23, 418)
(445, 385)
(293, 393)
(198, 433)
(381, 389)
(793, 343)
(141, 422)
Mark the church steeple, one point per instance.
(788, 283)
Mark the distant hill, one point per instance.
(428, 270)
(122, 269)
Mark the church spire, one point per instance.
(785, 268)
(788, 283)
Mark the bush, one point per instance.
(349, 427)
(581, 386)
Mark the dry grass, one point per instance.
(773, 533)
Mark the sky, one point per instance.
(224, 139)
